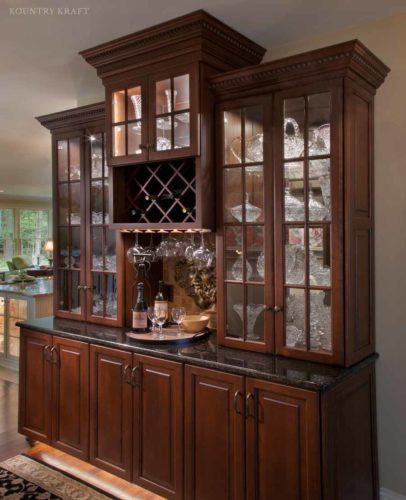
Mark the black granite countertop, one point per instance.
(207, 353)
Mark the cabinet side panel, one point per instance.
(349, 439)
(359, 296)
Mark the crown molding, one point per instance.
(351, 56)
(73, 117)
(187, 31)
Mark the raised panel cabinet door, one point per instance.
(214, 435)
(70, 396)
(283, 442)
(111, 410)
(158, 425)
(35, 386)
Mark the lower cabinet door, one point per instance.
(283, 442)
(111, 410)
(70, 396)
(158, 425)
(34, 419)
(214, 435)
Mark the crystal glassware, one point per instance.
(253, 312)
(294, 208)
(178, 315)
(261, 265)
(237, 269)
(254, 147)
(152, 317)
(203, 256)
(190, 248)
(137, 103)
(293, 139)
(161, 317)
(317, 211)
(252, 213)
(169, 100)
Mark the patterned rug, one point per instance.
(24, 477)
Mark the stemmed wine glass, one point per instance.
(203, 256)
(178, 315)
(151, 311)
(161, 317)
(190, 248)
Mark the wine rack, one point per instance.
(162, 194)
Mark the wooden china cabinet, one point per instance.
(287, 147)
(88, 267)
(295, 205)
(160, 119)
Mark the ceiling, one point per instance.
(41, 71)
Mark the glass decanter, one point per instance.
(252, 213)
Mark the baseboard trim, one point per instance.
(391, 495)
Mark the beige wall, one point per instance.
(387, 39)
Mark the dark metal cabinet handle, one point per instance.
(143, 146)
(134, 381)
(46, 352)
(51, 352)
(127, 374)
(277, 309)
(237, 396)
(247, 405)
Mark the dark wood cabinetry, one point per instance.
(54, 392)
(295, 204)
(70, 396)
(34, 419)
(283, 442)
(276, 428)
(88, 255)
(136, 419)
(184, 431)
(158, 425)
(214, 435)
(160, 118)
(111, 410)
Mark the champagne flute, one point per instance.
(178, 315)
(152, 317)
(161, 317)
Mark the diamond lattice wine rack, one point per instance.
(160, 195)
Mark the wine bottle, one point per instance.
(140, 316)
(160, 299)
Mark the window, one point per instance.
(24, 232)
(7, 240)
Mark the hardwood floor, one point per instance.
(12, 443)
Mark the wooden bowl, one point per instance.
(195, 323)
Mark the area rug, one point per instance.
(24, 477)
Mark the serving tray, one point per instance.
(171, 337)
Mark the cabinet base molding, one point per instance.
(391, 495)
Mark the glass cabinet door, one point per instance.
(18, 311)
(172, 115)
(128, 134)
(70, 223)
(244, 275)
(102, 264)
(304, 228)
